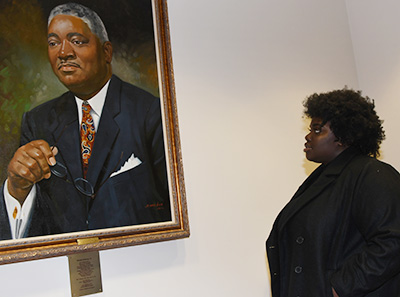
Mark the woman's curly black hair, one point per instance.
(352, 118)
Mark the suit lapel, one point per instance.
(314, 185)
(106, 155)
(65, 132)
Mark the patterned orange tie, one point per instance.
(87, 136)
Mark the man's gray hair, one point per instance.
(87, 15)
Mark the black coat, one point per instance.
(130, 125)
(341, 229)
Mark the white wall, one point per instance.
(242, 70)
(376, 37)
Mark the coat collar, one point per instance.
(321, 178)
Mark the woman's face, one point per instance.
(322, 145)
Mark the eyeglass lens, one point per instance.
(81, 184)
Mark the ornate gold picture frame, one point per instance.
(142, 48)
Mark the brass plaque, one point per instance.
(85, 274)
(87, 240)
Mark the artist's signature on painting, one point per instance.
(158, 205)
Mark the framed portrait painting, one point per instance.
(89, 140)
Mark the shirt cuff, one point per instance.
(18, 215)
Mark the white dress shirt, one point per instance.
(18, 215)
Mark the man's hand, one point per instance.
(334, 293)
(29, 165)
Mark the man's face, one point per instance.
(77, 57)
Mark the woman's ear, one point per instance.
(341, 144)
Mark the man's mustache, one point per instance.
(62, 64)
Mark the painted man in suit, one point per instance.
(64, 179)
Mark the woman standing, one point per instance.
(340, 233)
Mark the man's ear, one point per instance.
(108, 51)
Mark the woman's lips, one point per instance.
(307, 148)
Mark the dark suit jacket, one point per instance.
(130, 124)
(341, 229)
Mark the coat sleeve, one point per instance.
(375, 211)
(41, 221)
(5, 232)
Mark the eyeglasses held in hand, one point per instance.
(80, 183)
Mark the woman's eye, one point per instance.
(315, 130)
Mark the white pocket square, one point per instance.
(132, 162)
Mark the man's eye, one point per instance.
(52, 43)
(78, 42)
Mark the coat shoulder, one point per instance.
(130, 91)
(371, 166)
(43, 109)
